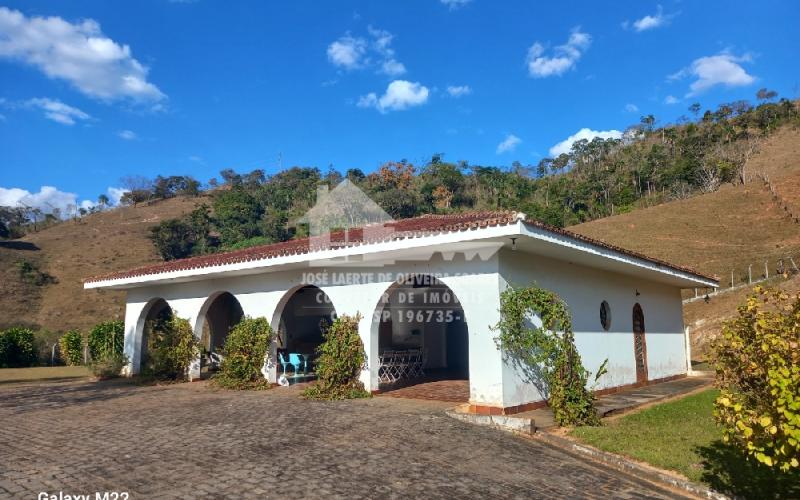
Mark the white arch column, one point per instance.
(479, 296)
(136, 309)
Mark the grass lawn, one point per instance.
(8, 375)
(681, 435)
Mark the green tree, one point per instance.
(238, 214)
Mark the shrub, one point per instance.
(106, 340)
(547, 353)
(71, 345)
(757, 359)
(30, 273)
(341, 359)
(108, 367)
(171, 348)
(17, 348)
(244, 352)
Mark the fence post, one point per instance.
(766, 270)
(688, 341)
(750, 274)
(731, 278)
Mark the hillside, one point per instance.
(72, 251)
(721, 232)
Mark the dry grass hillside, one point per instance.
(722, 232)
(75, 250)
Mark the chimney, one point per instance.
(322, 192)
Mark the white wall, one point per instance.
(477, 284)
(583, 289)
(474, 282)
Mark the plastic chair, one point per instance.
(296, 361)
(282, 360)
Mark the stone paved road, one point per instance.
(192, 441)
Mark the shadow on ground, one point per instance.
(18, 245)
(22, 397)
(729, 472)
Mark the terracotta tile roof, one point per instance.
(404, 228)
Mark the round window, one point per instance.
(605, 315)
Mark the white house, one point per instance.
(430, 284)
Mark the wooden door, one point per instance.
(639, 344)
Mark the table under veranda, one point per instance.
(399, 365)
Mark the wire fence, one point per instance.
(784, 267)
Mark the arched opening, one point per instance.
(422, 336)
(639, 344)
(221, 313)
(303, 319)
(155, 314)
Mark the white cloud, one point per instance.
(393, 68)
(508, 144)
(49, 198)
(710, 71)
(115, 194)
(631, 108)
(347, 52)
(671, 99)
(399, 95)
(56, 110)
(351, 53)
(128, 135)
(584, 133)
(563, 58)
(46, 199)
(649, 22)
(78, 53)
(459, 90)
(455, 4)
(382, 45)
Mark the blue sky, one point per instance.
(96, 90)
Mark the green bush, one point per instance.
(108, 367)
(106, 340)
(71, 345)
(17, 348)
(547, 354)
(757, 360)
(171, 348)
(341, 359)
(244, 352)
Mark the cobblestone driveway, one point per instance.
(191, 441)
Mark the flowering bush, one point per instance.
(171, 348)
(341, 359)
(244, 353)
(71, 346)
(757, 360)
